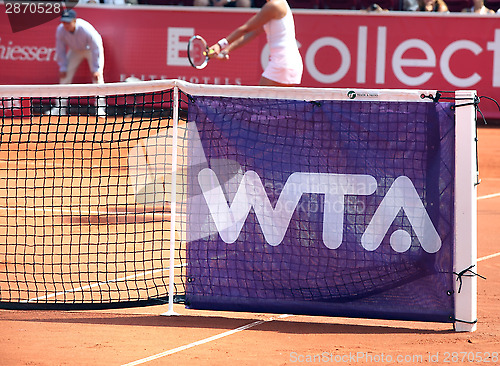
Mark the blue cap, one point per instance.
(68, 15)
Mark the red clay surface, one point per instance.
(118, 337)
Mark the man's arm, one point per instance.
(96, 48)
(61, 57)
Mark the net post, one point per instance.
(465, 253)
(173, 203)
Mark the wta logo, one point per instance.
(221, 195)
(274, 221)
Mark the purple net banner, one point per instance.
(341, 208)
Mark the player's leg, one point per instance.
(98, 78)
(74, 60)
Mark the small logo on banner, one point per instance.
(351, 94)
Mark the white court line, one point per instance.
(489, 196)
(54, 210)
(203, 341)
(142, 274)
(74, 211)
(488, 257)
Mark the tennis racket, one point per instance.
(198, 52)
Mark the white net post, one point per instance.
(465, 213)
(173, 203)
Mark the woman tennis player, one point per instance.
(285, 63)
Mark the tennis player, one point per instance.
(76, 40)
(285, 63)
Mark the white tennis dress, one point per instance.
(285, 63)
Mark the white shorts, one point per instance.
(283, 74)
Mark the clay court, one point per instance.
(143, 335)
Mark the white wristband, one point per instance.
(223, 43)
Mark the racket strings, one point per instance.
(198, 52)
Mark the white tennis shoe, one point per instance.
(57, 111)
(101, 112)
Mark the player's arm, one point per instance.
(94, 41)
(61, 57)
(253, 27)
(243, 40)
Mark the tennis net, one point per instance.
(82, 225)
(290, 200)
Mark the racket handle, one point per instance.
(212, 52)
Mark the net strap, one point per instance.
(467, 273)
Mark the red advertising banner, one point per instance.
(347, 49)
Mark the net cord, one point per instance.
(137, 87)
